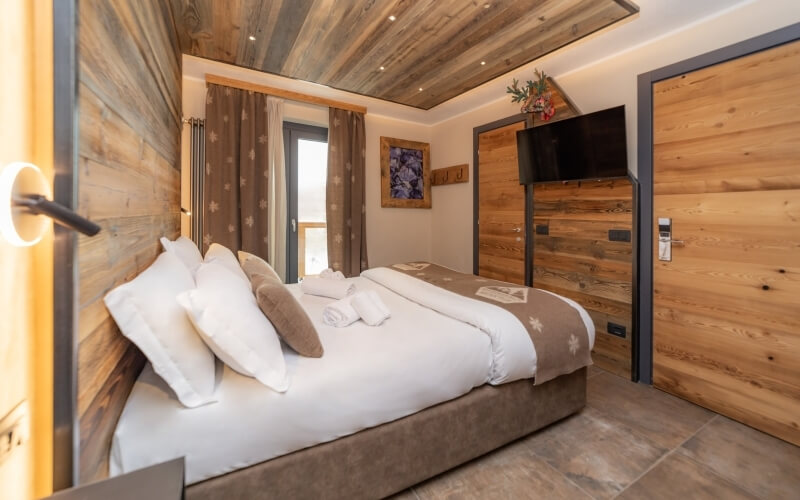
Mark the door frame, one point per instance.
(66, 437)
(645, 171)
(293, 131)
(509, 120)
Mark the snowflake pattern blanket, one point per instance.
(560, 336)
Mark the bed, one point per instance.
(385, 408)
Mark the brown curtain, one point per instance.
(236, 181)
(346, 209)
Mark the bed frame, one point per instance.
(118, 130)
(386, 459)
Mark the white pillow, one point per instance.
(147, 312)
(224, 256)
(185, 250)
(225, 313)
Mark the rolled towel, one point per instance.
(340, 313)
(335, 289)
(370, 307)
(330, 274)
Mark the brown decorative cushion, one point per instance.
(288, 317)
(254, 265)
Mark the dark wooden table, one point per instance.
(163, 481)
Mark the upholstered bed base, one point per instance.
(383, 460)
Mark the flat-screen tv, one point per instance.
(589, 146)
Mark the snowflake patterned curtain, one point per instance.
(237, 182)
(346, 209)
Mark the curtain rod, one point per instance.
(286, 94)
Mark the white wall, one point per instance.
(393, 234)
(606, 83)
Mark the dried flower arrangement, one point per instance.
(534, 96)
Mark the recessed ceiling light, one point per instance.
(420, 89)
(483, 63)
(382, 68)
(392, 18)
(487, 5)
(252, 38)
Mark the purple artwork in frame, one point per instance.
(405, 173)
(406, 179)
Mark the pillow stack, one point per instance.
(185, 309)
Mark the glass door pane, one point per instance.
(306, 149)
(312, 171)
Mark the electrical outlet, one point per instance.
(615, 329)
(15, 430)
(619, 235)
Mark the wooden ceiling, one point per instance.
(443, 47)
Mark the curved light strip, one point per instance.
(8, 180)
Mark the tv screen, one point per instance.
(589, 146)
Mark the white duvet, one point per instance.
(421, 356)
(513, 353)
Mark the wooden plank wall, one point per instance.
(429, 54)
(129, 182)
(577, 260)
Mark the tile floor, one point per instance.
(630, 442)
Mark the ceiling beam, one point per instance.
(286, 94)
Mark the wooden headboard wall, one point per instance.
(129, 108)
(577, 258)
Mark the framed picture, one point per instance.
(405, 173)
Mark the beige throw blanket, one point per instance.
(556, 329)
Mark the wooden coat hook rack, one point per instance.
(450, 175)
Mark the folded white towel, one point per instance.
(340, 313)
(335, 289)
(370, 307)
(330, 274)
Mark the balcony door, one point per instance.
(306, 149)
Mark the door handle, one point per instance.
(665, 240)
(294, 226)
(516, 230)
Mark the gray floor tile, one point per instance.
(681, 477)
(757, 462)
(513, 472)
(598, 453)
(667, 420)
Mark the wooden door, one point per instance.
(501, 206)
(726, 169)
